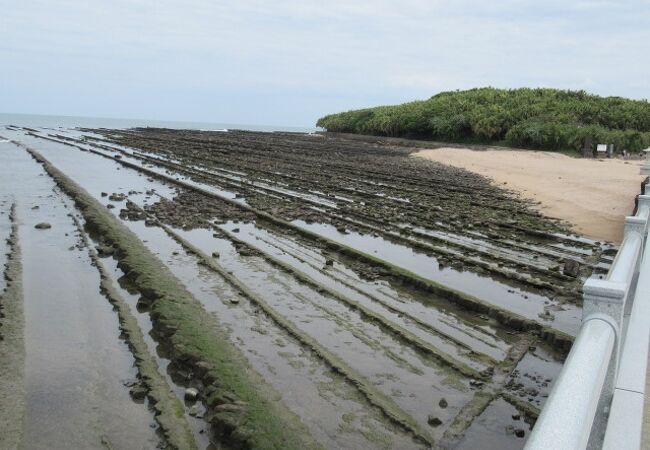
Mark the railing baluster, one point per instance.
(603, 379)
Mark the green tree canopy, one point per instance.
(549, 119)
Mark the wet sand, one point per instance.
(594, 196)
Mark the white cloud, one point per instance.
(292, 60)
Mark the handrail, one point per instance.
(574, 400)
(622, 269)
(597, 400)
(626, 415)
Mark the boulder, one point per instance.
(117, 197)
(191, 394)
(434, 421)
(138, 392)
(571, 268)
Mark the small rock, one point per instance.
(117, 197)
(487, 372)
(476, 383)
(571, 268)
(110, 206)
(191, 394)
(443, 403)
(42, 226)
(516, 417)
(519, 432)
(35, 207)
(104, 194)
(194, 411)
(105, 250)
(215, 254)
(434, 421)
(235, 230)
(138, 392)
(130, 383)
(329, 262)
(229, 407)
(234, 300)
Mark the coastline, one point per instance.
(592, 195)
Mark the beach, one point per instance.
(593, 195)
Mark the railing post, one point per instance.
(605, 299)
(636, 225)
(608, 298)
(596, 371)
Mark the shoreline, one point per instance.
(592, 195)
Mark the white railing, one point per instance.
(598, 398)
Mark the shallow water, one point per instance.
(75, 361)
(510, 297)
(513, 296)
(332, 408)
(412, 381)
(495, 429)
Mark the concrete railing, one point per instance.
(598, 398)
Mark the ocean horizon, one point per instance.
(55, 121)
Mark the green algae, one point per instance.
(398, 331)
(505, 317)
(244, 408)
(170, 413)
(372, 395)
(12, 347)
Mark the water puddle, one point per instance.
(533, 378)
(76, 364)
(393, 367)
(331, 407)
(525, 303)
(402, 312)
(500, 427)
(335, 412)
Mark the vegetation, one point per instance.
(549, 119)
(240, 404)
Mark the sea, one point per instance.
(39, 120)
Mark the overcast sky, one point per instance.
(288, 62)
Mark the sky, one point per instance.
(289, 62)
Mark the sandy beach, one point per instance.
(593, 195)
